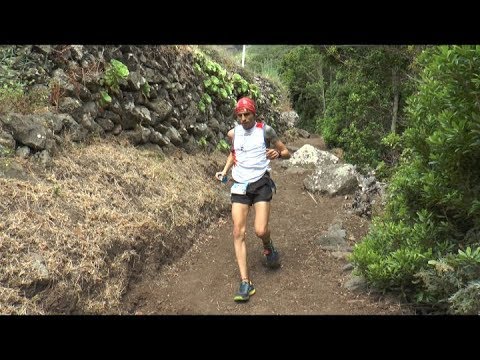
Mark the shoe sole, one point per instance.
(272, 265)
(241, 298)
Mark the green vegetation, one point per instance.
(409, 112)
(105, 98)
(115, 72)
(220, 84)
(427, 242)
(265, 60)
(223, 146)
(145, 89)
(352, 96)
(202, 142)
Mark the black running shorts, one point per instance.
(260, 190)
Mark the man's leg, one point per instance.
(262, 230)
(239, 217)
(262, 215)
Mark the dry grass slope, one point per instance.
(73, 235)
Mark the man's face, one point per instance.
(246, 119)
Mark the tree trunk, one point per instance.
(323, 88)
(396, 96)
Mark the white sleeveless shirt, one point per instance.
(250, 156)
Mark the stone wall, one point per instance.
(156, 105)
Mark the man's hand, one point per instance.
(219, 175)
(272, 154)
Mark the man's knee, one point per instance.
(261, 231)
(238, 231)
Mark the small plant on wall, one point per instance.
(223, 146)
(115, 72)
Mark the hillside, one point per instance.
(107, 165)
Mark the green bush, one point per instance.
(433, 208)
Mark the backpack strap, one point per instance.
(262, 126)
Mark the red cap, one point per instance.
(245, 103)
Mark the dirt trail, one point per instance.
(310, 280)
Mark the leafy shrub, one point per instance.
(433, 208)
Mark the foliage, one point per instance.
(145, 89)
(346, 94)
(104, 98)
(202, 142)
(221, 85)
(300, 70)
(455, 274)
(223, 146)
(433, 207)
(265, 60)
(385, 263)
(391, 149)
(363, 95)
(115, 72)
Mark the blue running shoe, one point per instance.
(272, 259)
(245, 291)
